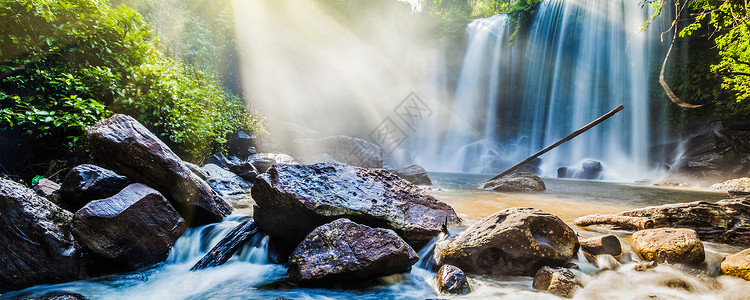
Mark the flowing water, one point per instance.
(251, 275)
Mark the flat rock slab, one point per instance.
(124, 143)
(672, 245)
(516, 182)
(292, 200)
(344, 251)
(737, 265)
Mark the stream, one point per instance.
(251, 275)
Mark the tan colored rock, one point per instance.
(739, 184)
(737, 265)
(672, 245)
(558, 281)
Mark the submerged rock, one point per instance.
(89, 182)
(557, 281)
(672, 245)
(737, 265)
(514, 241)
(132, 229)
(47, 188)
(597, 245)
(292, 200)
(516, 182)
(124, 143)
(37, 245)
(451, 280)
(340, 148)
(414, 174)
(344, 251)
(726, 221)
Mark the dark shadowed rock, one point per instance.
(37, 245)
(737, 265)
(344, 251)
(292, 200)
(222, 160)
(132, 229)
(196, 170)
(451, 280)
(516, 182)
(242, 144)
(603, 244)
(340, 148)
(414, 174)
(727, 221)
(124, 143)
(558, 281)
(47, 188)
(713, 156)
(224, 250)
(89, 182)
(590, 169)
(514, 241)
(225, 182)
(672, 245)
(246, 170)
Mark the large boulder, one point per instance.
(589, 169)
(37, 245)
(726, 221)
(225, 182)
(340, 148)
(414, 174)
(737, 265)
(132, 229)
(451, 280)
(344, 251)
(292, 200)
(734, 185)
(124, 143)
(514, 241)
(516, 182)
(89, 182)
(672, 245)
(713, 156)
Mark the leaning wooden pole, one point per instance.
(565, 139)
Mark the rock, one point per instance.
(47, 188)
(713, 156)
(262, 164)
(738, 195)
(725, 221)
(451, 280)
(516, 182)
(672, 183)
(313, 195)
(672, 245)
(242, 144)
(514, 241)
(225, 182)
(221, 160)
(263, 161)
(414, 174)
(565, 172)
(224, 250)
(643, 266)
(604, 244)
(132, 229)
(341, 148)
(196, 170)
(734, 185)
(737, 265)
(344, 251)
(59, 296)
(558, 281)
(89, 182)
(590, 169)
(246, 170)
(124, 143)
(37, 245)
(531, 167)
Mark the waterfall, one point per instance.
(580, 59)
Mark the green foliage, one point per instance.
(36, 179)
(448, 17)
(66, 64)
(521, 15)
(487, 8)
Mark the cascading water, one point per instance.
(581, 59)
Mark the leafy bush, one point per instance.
(66, 64)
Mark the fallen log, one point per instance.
(224, 250)
(622, 221)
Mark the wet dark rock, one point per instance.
(557, 281)
(224, 250)
(292, 200)
(85, 183)
(263, 161)
(242, 144)
(737, 265)
(451, 280)
(340, 148)
(124, 143)
(714, 156)
(47, 188)
(516, 182)
(132, 229)
(246, 170)
(37, 245)
(222, 160)
(672, 245)
(225, 182)
(344, 251)
(738, 195)
(604, 244)
(59, 296)
(727, 221)
(196, 170)
(414, 174)
(514, 241)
